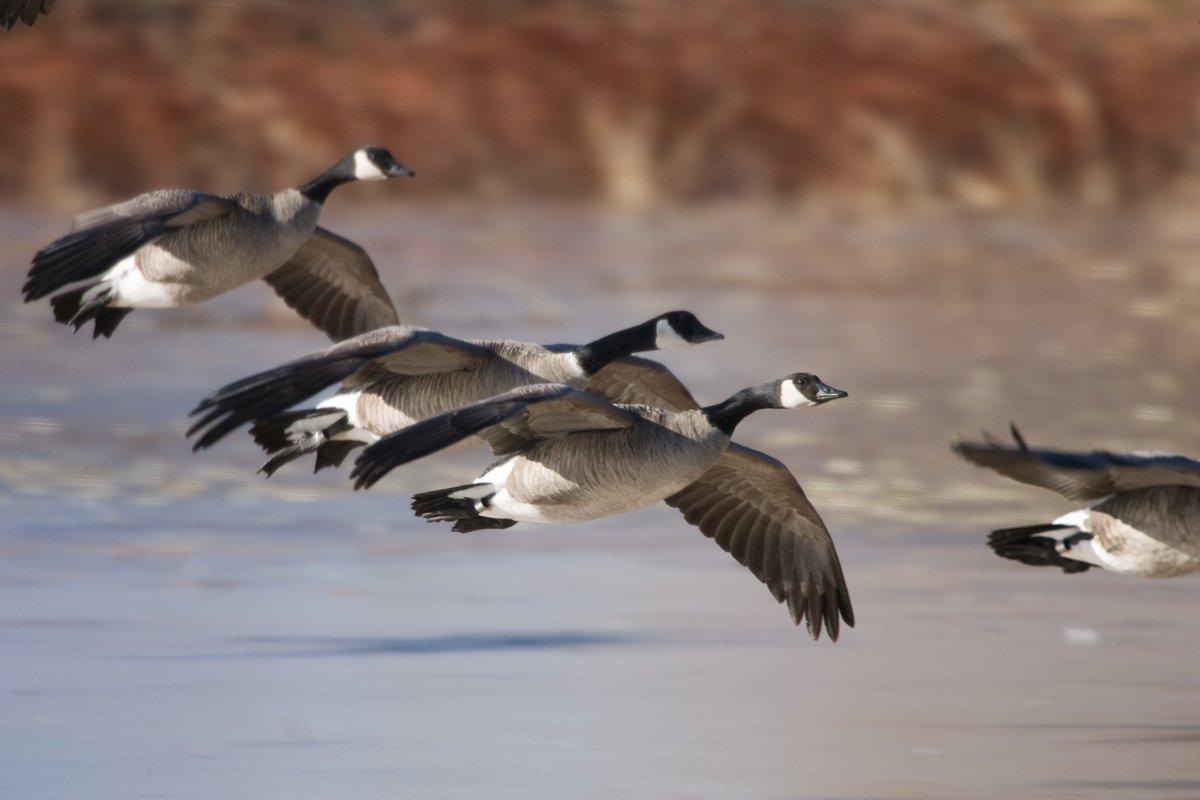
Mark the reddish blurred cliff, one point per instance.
(867, 105)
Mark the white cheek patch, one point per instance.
(791, 397)
(665, 337)
(365, 169)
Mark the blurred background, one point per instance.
(963, 213)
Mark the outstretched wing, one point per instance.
(508, 422)
(332, 283)
(405, 350)
(752, 506)
(1080, 476)
(103, 237)
(640, 381)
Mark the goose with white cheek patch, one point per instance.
(1142, 512)
(179, 247)
(27, 11)
(570, 456)
(395, 376)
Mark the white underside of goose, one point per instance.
(131, 289)
(1130, 552)
(502, 505)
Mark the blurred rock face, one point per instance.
(870, 106)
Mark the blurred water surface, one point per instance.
(173, 625)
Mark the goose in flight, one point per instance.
(398, 375)
(569, 456)
(177, 247)
(1142, 512)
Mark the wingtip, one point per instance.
(1017, 437)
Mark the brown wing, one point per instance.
(508, 422)
(333, 284)
(24, 10)
(1080, 476)
(752, 506)
(640, 381)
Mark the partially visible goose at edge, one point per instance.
(1142, 515)
(393, 377)
(569, 456)
(24, 10)
(178, 247)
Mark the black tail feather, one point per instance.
(66, 305)
(279, 437)
(284, 456)
(271, 433)
(107, 320)
(332, 454)
(481, 523)
(71, 309)
(1023, 544)
(439, 506)
(265, 394)
(1011, 535)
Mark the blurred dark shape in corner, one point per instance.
(24, 10)
(860, 105)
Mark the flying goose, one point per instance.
(397, 375)
(176, 247)
(569, 456)
(1142, 515)
(24, 10)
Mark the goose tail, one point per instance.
(89, 303)
(1045, 545)
(292, 434)
(460, 505)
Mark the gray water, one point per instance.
(174, 626)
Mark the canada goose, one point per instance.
(1142, 515)
(24, 10)
(175, 247)
(395, 376)
(569, 456)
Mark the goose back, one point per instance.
(593, 474)
(203, 260)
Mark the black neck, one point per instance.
(318, 188)
(728, 413)
(594, 356)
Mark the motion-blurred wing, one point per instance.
(1080, 476)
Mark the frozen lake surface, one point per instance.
(174, 626)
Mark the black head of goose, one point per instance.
(395, 376)
(799, 390)
(367, 163)
(1142, 512)
(177, 247)
(570, 456)
(12, 11)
